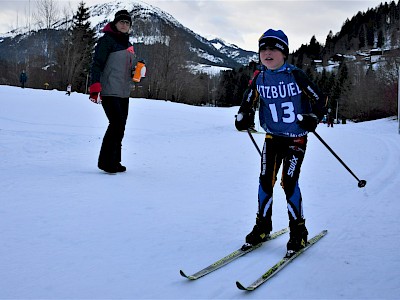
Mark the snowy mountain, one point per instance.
(231, 50)
(188, 198)
(151, 25)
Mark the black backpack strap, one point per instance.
(316, 98)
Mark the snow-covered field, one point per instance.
(189, 197)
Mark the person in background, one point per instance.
(23, 78)
(110, 77)
(69, 89)
(330, 120)
(290, 107)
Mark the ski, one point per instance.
(230, 257)
(280, 265)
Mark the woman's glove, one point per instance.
(94, 91)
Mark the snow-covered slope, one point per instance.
(189, 197)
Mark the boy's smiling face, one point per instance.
(271, 58)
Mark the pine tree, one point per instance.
(314, 49)
(341, 90)
(361, 38)
(75, 55)
(381, 39)
(370, 33)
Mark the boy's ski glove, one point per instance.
(94, 91)
(243, 121)
(308, 122)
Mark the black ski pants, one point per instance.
(288, 152)
(116, 110)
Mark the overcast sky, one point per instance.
(237, 22)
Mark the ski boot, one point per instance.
(298, 236)
(259, 234)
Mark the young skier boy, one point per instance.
(290, 107)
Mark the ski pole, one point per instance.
(254, 142)
(361, 183)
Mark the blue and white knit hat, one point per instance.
(275, 39)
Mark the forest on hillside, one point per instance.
(357, 68)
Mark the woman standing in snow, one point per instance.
(111, 77)
(284, 92)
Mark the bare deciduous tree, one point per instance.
(47, 13)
